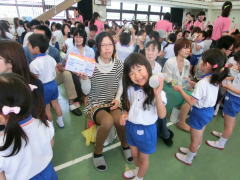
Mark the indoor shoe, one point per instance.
(183, 150)
(100, 163)
(127, 154)
(183, 158)
(60, 123)
(216, 133)
(130, 174)
(169, 141)
(215, 144)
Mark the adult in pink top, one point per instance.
(200, 21)
(222, 23)
(95, 21)
(77, 16)
(164, 24)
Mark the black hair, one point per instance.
(34, 22)
(154, 35)
(46, 30)
(14, 92)
(207, 34)
(155, 44)
(216, 58)
(171, 39)
(63, 27)
(148, 29)
(141, 32)
(106, 26)
(80, 26)
(210, 27)
(124, 38)
(82, 33)
(58, 26)
(132, 60)
(236, 56)
(3, 33)
(95, 16)
(167, 16)
(226, 8)
(99, 40)
(47, 22)
(185, 32)
(52, 24)
(91, 43)
(225, 42)
(201, 13)
(40, 41)
(93, 28)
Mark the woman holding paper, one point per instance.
(104, 90)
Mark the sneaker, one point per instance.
(169, 141)
(216, 133)
(128, 155)
(60, 123)
(100, 163)
(130, 174)
(215, 144)
(183, 158)
(184, 150)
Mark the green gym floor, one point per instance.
(73, 159)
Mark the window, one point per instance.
(128, 6)
(61, 15)
(128, 16)
(111, 15)
(166, 9)
(114, 5)
(142, 7)
(154, 18)
(155, 8)
(142, 17)
(8, 11)
(34, 3)
(30, 11)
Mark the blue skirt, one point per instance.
(47, 174)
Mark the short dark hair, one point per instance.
(124, 38)
(167, 16)
(58, 26)
(225, 42)
(180, 44)
(93, 28)
(47, 22)
(39, 40)
(46, 30)
(82, 33)
(154, 43)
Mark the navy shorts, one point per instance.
(50, 91)
(194, 59)
(47, 174)
(231, 105)
(143, 137)
(200, 117)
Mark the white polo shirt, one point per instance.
(32, 157)
(205, 93)
(169, 51)
(157, 68)
(234, 69)
(137, 114)
(44, 66)
(236, 84)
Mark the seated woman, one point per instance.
(178, 69)
(104, 91)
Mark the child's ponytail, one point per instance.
(217, 60)
(13, 134)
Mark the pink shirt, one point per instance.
(79, 18)
(197, 23)
(99, 25)
(163, 25)
(221, 25)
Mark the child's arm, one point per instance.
(123, 118)
(231, 88)
(190, 100)
(2, 176)
(161, 109)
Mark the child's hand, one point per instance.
(115, 104)
(177, 88)
(82, 76)
(123, 118)
(192, 83)
(158, 90)
(60, 67)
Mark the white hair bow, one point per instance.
(6, 110)
(32, 87)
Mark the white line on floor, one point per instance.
(82, 158)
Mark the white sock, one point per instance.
(222, 141)
(191, 155)
(59, 118)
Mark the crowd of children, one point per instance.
(199, 55)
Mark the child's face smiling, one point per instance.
(139, 75)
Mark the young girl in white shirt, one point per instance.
(25, 143)
(230, 109)
(142, 107)
(202, 100)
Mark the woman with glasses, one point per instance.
(104, 91)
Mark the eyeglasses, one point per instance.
(106, 45)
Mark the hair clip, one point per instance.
(6, 110)
(32, 87)
(215, 66)
(226, 6)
